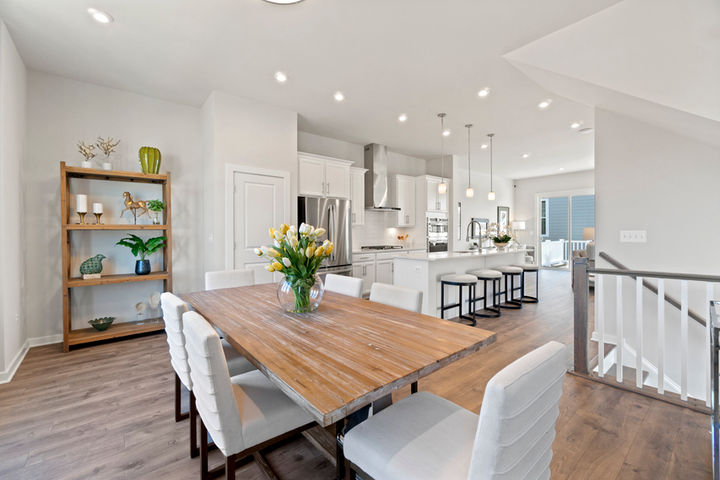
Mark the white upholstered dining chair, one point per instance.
(173, 309)
(424, 436)
(229, 279)
(400, 297)
(350, 286)
(243, 414)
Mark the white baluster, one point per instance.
(661, 335)
(620, 340)
(600, 322)
(639, 331)
(683, 339)
(708, 298)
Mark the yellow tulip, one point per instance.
(319, 232)
(319, 251)
(269, 268)
(277, 266)
(329, 248)
(274, 253)
(258, 252)
(309, 252)
(284, 228)
(272, 232)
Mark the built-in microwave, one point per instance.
(437, 233)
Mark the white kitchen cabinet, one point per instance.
(357, 195)
(321, 176)
(365, 271)
(384, 272)
(405, 199)
(427, 190)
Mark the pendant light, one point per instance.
(469, 192)
(491, 193)
(442, 187)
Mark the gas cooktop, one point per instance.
(382, 247)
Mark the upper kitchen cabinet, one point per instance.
(429, 197)
(321, 176)
(405, 199)
(357, 195)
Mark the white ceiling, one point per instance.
(417, 57)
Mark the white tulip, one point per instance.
(309, 252)
(258, 252)
(303, 227)
(286, 262)
(276, 243)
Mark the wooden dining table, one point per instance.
(341, 357)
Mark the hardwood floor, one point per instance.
(106, 412)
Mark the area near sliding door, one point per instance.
(565, 224)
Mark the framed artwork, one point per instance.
(503, 218)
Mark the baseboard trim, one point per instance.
(7, 375)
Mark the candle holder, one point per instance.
(82, 217)
(97, 219)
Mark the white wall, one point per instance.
(61, 112)
(243, 132)
(331, 147)
(525, 192)
(12, 244)
(651, 179)
(478, 205)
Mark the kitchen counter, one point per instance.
(390, 250)
(422, 271)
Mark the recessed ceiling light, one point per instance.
(544, 104)
(484, 146)
(100, 16)
(446, 132)
(283, 2)
(562, 169)
(402, 118)
(484, 92)
(575, 125)
(281, 77)
(339, 97)
(525, 155)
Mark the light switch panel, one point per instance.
(633, 236)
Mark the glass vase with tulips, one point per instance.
(297, 253)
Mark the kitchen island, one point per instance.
(422, 271)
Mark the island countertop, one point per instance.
(439, 256)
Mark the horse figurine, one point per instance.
(133, 206)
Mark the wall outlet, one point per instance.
(633, 236)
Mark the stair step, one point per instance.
(628, 372)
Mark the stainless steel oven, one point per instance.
(437, 233)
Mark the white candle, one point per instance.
(97, 208)
(81, 203)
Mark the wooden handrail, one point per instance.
(672, 276)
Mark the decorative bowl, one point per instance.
(501, 244)
(101, 323)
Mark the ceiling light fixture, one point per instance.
(281, 77)
(446, 132)
(484, 146)
(491, 193)
(484, 92)
(100, 16)
(525, 155)
(562, 169)
(402, 118)
(544, 104)
(575, 125)
(442, 186)
(469, 192)
(339, 97)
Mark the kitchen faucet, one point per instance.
(467, 233)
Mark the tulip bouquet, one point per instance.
(297, 254)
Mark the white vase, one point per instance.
(86, 164)
(107, 166)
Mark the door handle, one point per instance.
(328, 188)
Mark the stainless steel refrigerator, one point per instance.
(333, 214)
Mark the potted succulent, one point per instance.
(297, 254)
(156, 206)
(141, 248)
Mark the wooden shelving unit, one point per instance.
(69, 282)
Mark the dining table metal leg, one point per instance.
(339, 452)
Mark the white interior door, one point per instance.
(258, 203)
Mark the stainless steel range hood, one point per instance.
(377, 194)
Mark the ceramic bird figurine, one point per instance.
(92, 265)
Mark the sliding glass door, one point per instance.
(566, 224)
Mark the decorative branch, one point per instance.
(86, 150)
(107, 146)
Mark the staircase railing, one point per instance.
(714, 393)
(603, 317)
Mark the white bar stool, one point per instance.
(459, 280)
(509, 272)
(485, 276)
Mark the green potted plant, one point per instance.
(141, 248)
(501, 240)
(156, 206)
